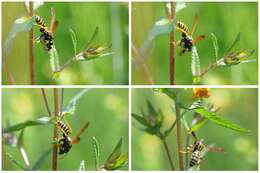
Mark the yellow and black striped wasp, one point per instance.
(187, 42)
(46, 37)
(198, 150)
(65, 143)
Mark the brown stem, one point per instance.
(62, 101)
(10, 77)
(168, 153)
(187, 153)
(31, 53)
(145, 67)
(55, 131)
(179, 137)
(171, 56)
(46, 102)
(211, 66)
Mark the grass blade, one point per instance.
(215, 44)
(96, 151)
(41, 159)
(82, 166)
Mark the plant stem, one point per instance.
(140, 59)
(55, 131)
(179, 137)
(168, 153)
(62, 101)
(31, 53)
(211, 66)
(46, 102)
(171, 56)
(187, 145)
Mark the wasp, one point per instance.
(198, 150)
(46, 37)
(187, 42)
(65, 143)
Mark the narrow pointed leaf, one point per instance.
(198, 125)
(22, 24)
(74, 40)
(215, 44)
(235, 42)
(82, 165)
(179, 6)
(16, 162)
(213, 117)
(195, 65)
(95, 144)
(20, 126)
(71, 107)
(54, 60)
(119, 163)
(140, 119)
(115, 153)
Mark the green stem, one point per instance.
(55, 130)
(210, 67)
(179, 137)
(168, 153)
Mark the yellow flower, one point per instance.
(201, 93)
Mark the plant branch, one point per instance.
(31, 53)
(168, 153)
(145, 67)
(46, 102)
(171, 56)
(62, 101)
(55, 130)
(179, 137)
(210, 67)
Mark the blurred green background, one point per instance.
(83, 18)
(223, 19)
(105, 109)
(237, 105)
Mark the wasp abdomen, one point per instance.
(40, 21)
(182, 27)
(195, 158)
(64, 127)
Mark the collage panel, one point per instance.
(90, 133)
(206, 43)
(65, 43)
(212, 128)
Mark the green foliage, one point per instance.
(95, 144)
(71, 107)
(21, 126)
(22, 24)
(219, 120)
(74, 40)
(215, 44)
(54, 61)
(15, 161)
(195, 65)
(116, 159)
(82, 165)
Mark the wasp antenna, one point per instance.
(77, 137)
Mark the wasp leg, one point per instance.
(36, 40)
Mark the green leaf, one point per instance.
(54, 59)
(74, 40)
(116, 152)
(238, 56)
(234, 43)
(215, 44)
(119, 163)
(213, 117)
(96, 151)
(82, 165)
(41, 159)
(16, 162)
(22, 24)
(71, 107)
(160, 27)
(140, 119)
(198, 125)
(195, 64)
(115, 159)
(20, 126)
(180, 6)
